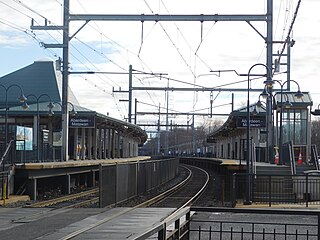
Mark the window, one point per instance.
(294, 126)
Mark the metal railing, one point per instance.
(4, 174)
(198, 223)
(6, 154)
(303, 189)
(176, 226)
(46, 154)
(254, 224)
(315, 156)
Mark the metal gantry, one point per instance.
(67, 18)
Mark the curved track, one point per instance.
(187, 193)
(72, 200)
(177, 197)
(180, 195)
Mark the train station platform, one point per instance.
(13, 199)
(77, 163)
(49, 224)
(130, 176)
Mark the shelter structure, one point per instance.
(229, 141)
(92, 135)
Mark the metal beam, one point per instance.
(196, 89)
(183, 113)
(46, 28)
(169, 18)
(163, 125)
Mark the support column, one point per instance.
(113, 143)
(100, 146)
(119, 145)
(90, 143)
(66, 185)
(75, 143)
(124, 147)
(94, 143)
(91, 179)
(109, 143)
(35, 130)
(65, 82)
(32, 188)
(83, 143)
(50, 131)
(105, 143)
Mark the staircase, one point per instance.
(302, 168)
(273, 169)
(273, 183)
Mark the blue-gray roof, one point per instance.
(304, 101)
(38, 78)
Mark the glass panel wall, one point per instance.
(294, 126)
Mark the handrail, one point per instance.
(292, 160)
(315, 156)
(5, 155)
(261, 211)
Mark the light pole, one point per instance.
(298, 95)
(21, 98)
(316, 112)
(268, 82)
(73, 112)
(50, 106)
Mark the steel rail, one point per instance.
(84, 203)
(166, 193)
(144, 204)
(64, 198)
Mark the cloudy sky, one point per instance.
(183, 51)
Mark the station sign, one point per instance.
(254, 122)
(82, 122)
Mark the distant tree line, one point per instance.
(182, 141)
(315, 134)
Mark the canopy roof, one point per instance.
(41, 77)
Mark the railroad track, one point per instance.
(70, 201)
(187, 193)
(180, 196)
(183, 194)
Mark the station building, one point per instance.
(91, 135)
(229, 141)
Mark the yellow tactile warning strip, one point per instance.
(14, 199)
(230, 162)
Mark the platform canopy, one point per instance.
(237, 119)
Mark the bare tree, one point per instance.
(181, 139)
(315, 134)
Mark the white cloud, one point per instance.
(171, 50)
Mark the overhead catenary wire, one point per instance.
(102, 34)
(290, 30)
(40, 42)
(89, 62)
(35, 12)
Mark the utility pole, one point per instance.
(130, 94)
(86, 18)
(193, 136)
(135, 110)
(65, 72)
(159, 134)
(167, 122)
(130, 90)
(65, 83)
